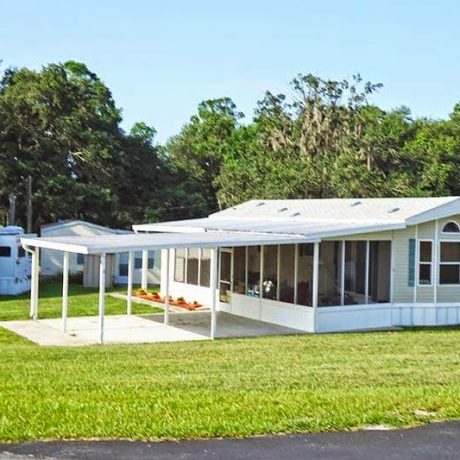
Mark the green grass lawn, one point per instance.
(82, 302)
(228, 387)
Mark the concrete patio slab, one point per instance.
(42, 334)
(227, 325)
(84, 331)
(125, 329)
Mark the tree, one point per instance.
(297, 144)
(202, 145)
(60, 126)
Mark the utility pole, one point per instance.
(12, 209)
(29, 204)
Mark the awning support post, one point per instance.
(65, 290)
(213, 283)
(129, 302)
(34, 283)
(145, 265)
(315, 285)
(101, 297)
(166, 317)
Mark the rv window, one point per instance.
(5, 251)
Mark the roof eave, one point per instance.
(440, 212)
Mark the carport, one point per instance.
(109, 244)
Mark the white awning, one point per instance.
(313, 229)
(109, 244)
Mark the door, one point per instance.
(225, 280)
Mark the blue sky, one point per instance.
(161, 58)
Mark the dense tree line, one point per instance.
(61, 126)
(325, 140)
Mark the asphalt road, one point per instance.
(437, 440)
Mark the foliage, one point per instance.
(61, 126)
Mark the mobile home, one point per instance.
(51, 260)
(316, 265)
(365, 263)
(15, 266)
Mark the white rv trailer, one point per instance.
(15, 263)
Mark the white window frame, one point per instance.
(200, 253)
(185, 266)
(450, 233)
(419, 262)
(440, 262)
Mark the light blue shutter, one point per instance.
(411, 263)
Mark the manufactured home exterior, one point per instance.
(117, 272)
(365, 263)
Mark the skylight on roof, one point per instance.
(282, 209)
(295, 214)
(394, 210)
(261, 203)
(356, 203)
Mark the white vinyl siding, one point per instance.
(402, 291)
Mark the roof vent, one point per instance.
(295, 214)
(282, 209)
(393, 210)
(261, 203)
(356, 203)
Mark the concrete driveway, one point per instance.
(141, 329)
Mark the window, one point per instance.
(225, 280)
(205, 267)
(123, 262)
(5, 251)
(254, 271)
(304, 274)
(355, 272)
(449, 268)
(425, 262)
(270, 272)
(180, 266)
(287, 271)
(193, 258)
(138, 260)
(239, 270)
(379, 271)
(451, 227)
(193, 266)
(330, 269)
(80, 259)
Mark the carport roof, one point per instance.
(147, 241)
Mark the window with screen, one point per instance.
(180, 265)
(205, 267)
(425, 262)
(449, 267)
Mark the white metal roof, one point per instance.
(137, 242)
(267, 222)
(337, 208)
(318, 217)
